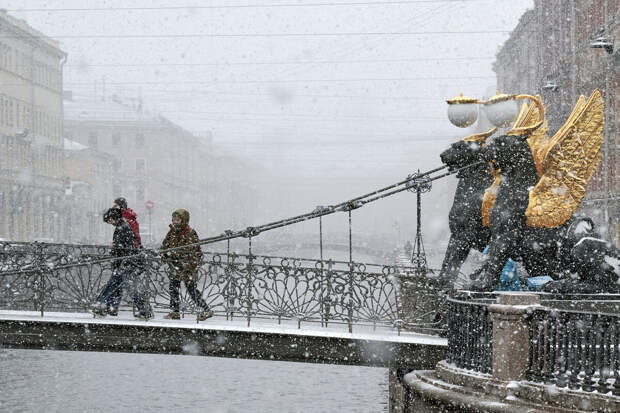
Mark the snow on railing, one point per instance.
(470, 333)
(573, 340)
(575, 349)
(64, 277)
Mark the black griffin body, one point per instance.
(465, 219)
(510, 236)
(592, 265)
(512, 155)
(558, 252)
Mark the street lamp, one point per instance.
(462, 111)
(22, 133)
(602, 42)
(149, 205)
(501, 110)
(551, 86)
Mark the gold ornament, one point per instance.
(480, 137)
(490, 194)
(569, 160)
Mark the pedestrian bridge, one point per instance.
(269, 307)
(272, 308)
(218, 337)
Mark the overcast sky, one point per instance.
(331, 99)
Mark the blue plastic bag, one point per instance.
(536, 283)
(509, 280)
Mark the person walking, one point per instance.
(132, 219)
(183, 264)
(125, 270)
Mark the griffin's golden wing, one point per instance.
(538, 138)
(569, 160)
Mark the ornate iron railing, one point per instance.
(470, 333)
(56, 277)
(569, 345)
(578, 350)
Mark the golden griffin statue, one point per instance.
(538, 183)
(565, 163)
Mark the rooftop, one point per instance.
(29, 32)
(70, 145)
(91, 108)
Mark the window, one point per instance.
(116, 139)
(23, 69)
(37, 120)
(18, 65)
(11, 113)
(140, 193)
(140, 166)
(37, 72)
(27, 119)
(9, 60)
(92, 139)
(139, 140)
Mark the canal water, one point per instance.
(64, 381)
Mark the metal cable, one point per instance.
(249, 232)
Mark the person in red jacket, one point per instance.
(132, 219)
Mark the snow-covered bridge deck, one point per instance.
(220, 338)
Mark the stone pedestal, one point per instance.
(397, 391)
(452, 389)
(511, 340)
(449, 389)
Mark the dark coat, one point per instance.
(123, 244)
(183, 261)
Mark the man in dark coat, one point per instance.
(183, 263)
(124, 270)
(132, 219)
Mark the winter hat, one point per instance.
(121, 202)
(183, 214)
(112, 214)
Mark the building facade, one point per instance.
(88, 190)
(31, 146)
(555, 50)
(150, 158)
(62, 163)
